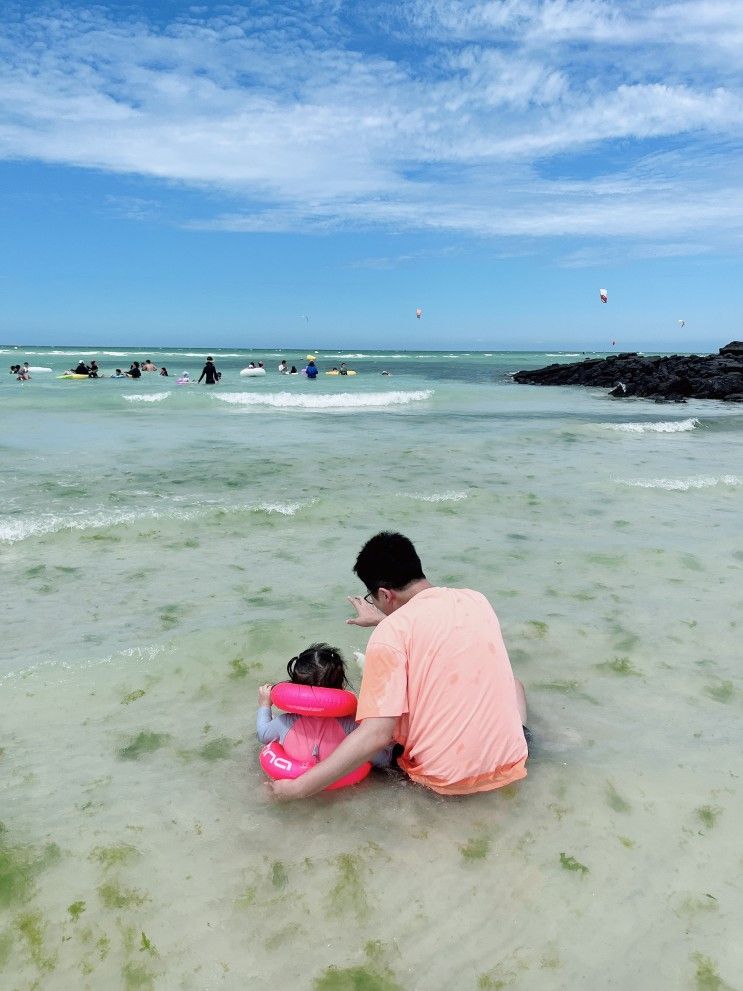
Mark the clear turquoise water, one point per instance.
(167, 549)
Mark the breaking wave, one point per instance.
(154, 397)
(655, 427)
(342, 400)
(435, 496)
(12, 530)
(682, 484)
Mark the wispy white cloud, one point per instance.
(308, 117)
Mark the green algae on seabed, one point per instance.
(693, 906)
(539, 628)
(608, 560)
(6, 945)
(503, 974)
(171, 614)
(147, 946)
(707, 978)
(137, 977)
(247, 898)
(615, 800)
(282, 936)
(566, 688)
(347, 894)
(374, 976)
(279, 876)
(19, 866)
(30, 928)
(218, 749)
(550, 959)
(571, 864)
(708, 815)
(115, 856)
(476, 848)
(76, 909)
(114, 896)
(626, 841)
(721, 692)
(356, 979)
(133, 696)
(621, 666)
(143, 743)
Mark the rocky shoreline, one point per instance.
(674, 378)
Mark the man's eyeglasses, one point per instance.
(369, 597)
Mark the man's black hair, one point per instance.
(388, 560)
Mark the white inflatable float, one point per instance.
(38, 368)
(251, 372)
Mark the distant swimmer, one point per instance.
(184, 379)
(134, 371)
(118, 374)
(283, 367)
(294, 370)
(311, 370)
(164, 372)
(209, 372)
(149, 366)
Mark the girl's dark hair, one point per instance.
(388, 560)
(319, 665)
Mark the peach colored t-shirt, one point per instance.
(439, 664)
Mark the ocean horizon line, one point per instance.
(575, 349)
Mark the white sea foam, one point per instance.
(205, 354)
(655, 426)
(562, 354)
(682, 484)
(14, 529)
(321, 401)
(145, 654)
(435, 496)
(142, 397)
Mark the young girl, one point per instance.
(304, 737)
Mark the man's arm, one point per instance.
(366, 613)
(372, 735)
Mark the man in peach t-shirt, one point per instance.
(437, 682)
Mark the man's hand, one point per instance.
(360, 746)
(366, 613)
(286, 791)
(264, 695)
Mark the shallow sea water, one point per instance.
(163, 555)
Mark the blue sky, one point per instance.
(307, 174)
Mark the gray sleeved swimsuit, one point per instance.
(276, 728)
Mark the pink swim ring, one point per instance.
(280, 766)
(308, 700)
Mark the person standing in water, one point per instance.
(209, 372)
(437, 682)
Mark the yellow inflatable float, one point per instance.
(336, 372)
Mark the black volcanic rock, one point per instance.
(672, 378)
